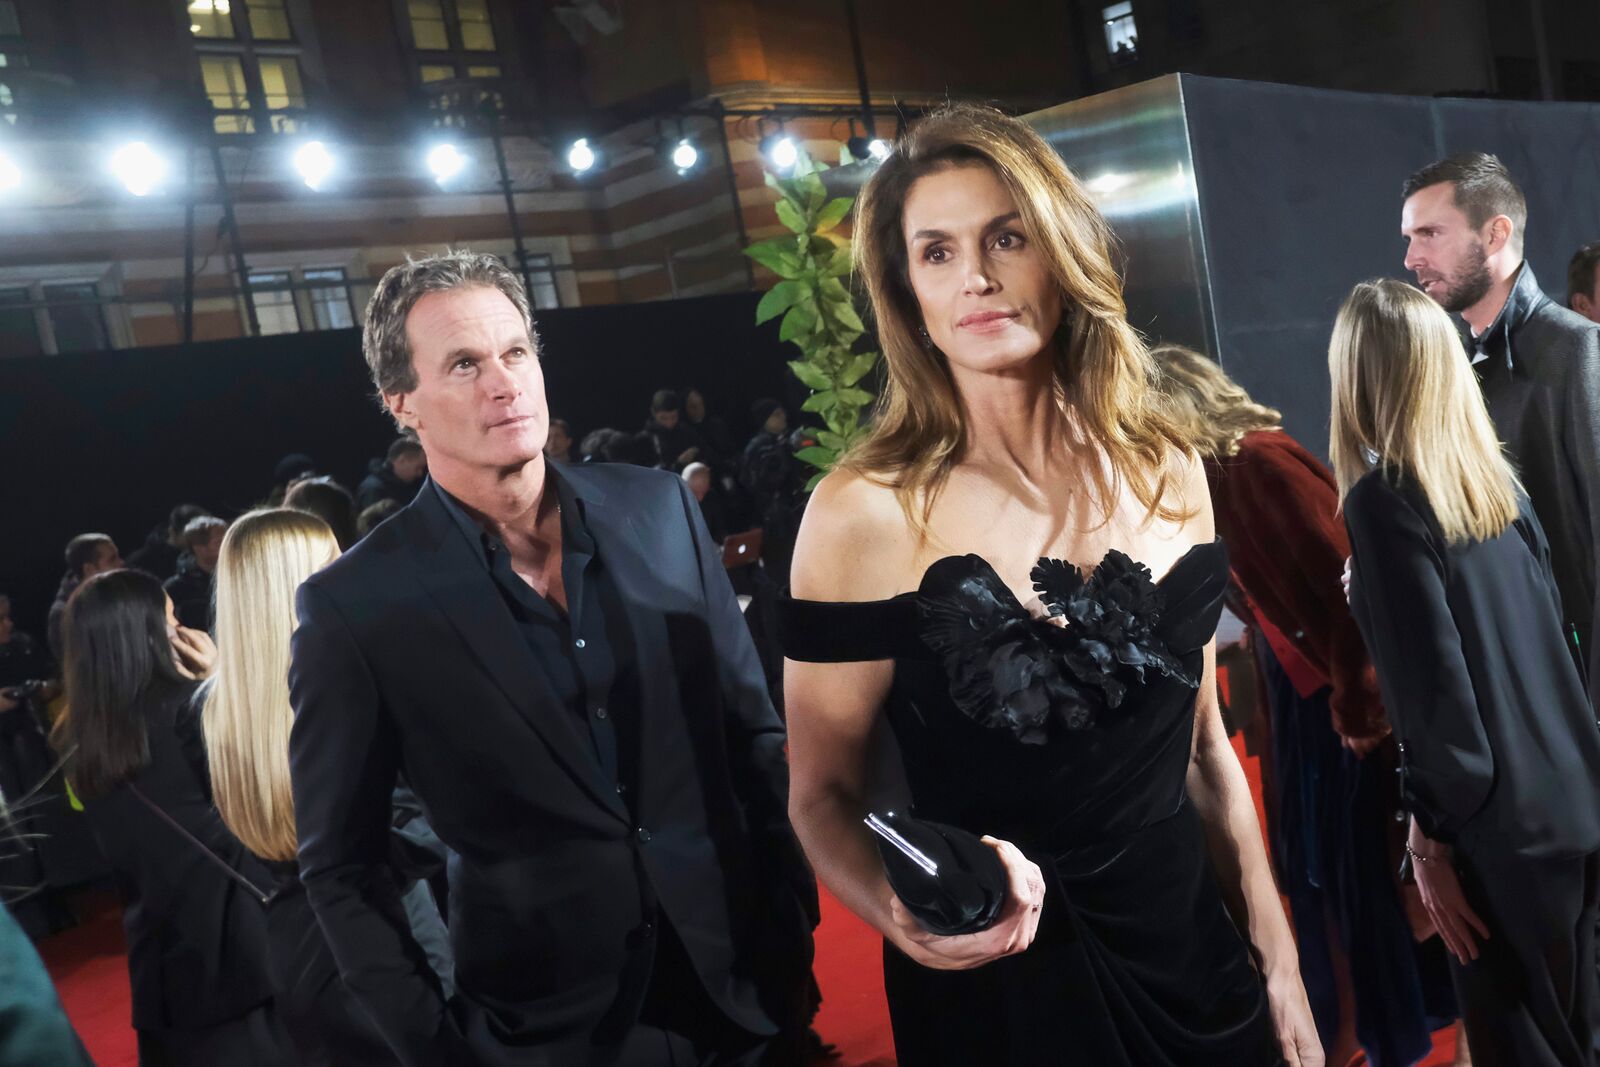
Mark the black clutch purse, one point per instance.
(946, 877)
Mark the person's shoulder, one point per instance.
(383, 548)
(852, 539)
(622, 478)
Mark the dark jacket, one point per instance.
(407, 657)
(327, 1026)
(158, 556)
(1277, 509)
(1541, 380)
(382, 483)
(58, 614)
(1498, 746)
(197, 941)
(672, 443)
(191, 590)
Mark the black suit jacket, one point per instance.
(1498, 745)
(197, 941)
(406, 657)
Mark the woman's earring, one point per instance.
(927, 342)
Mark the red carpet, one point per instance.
(90, 970)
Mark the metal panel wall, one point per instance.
(1130, 147)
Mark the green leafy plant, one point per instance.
(819, 315)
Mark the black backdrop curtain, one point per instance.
(110, 441)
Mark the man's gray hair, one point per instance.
(383, 339)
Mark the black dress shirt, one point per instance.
(586, 652)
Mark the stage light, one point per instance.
(781, 151)
(314, 162)
(445, 161)
(10, 173)
(580, 157)
(863, 149)
(685, 156)
(138, 167)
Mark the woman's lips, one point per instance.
(987, 321)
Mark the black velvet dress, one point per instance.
(1073, 743)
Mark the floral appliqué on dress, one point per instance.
(1010, 670)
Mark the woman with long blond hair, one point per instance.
(1500, 755)
(1328, 764)
(247, 718)
(979, 575)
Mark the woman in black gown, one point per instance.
(1018, 430)
(1499, 751)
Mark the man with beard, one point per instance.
(1538, 362)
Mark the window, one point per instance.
(268, 20)
(427, 25)
(545, 294)
(210, 19)
(477, 35)
(452, 39)
(274, 301)
(331, 306)
(223, 77)
(1122, 36)
(248, 64)
(19, 329)
(76, 317)
(281, 88)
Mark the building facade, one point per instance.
(228, 238)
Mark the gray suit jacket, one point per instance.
(1540, 371)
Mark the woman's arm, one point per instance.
(1221, 796)
(844, 553)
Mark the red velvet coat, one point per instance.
(1277, 510)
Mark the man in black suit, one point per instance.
(554, 658)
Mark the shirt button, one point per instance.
(642, 834)
(579, 642)
(648, 929)
(621, 789)
(599, 713)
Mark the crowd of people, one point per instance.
(489, 763)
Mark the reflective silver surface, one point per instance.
(1130, 148)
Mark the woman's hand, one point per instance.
(1362, 747)
(1012, 932)
(1291, 1018)
(194, 651)
(1446, 904)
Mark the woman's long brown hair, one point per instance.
(1103, 373)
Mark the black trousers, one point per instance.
(1532, 997)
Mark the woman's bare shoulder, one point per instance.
(854, 541)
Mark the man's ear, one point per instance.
(399, 405)
(1582, 304)
(1502, 231)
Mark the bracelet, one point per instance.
(1414, 854)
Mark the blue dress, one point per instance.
(1073, 743)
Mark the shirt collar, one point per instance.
(1524, 299)
(575, 536)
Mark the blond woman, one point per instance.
(1021, 470)
(265, 556)
(1500, 755)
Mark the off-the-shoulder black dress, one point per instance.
(1073, 743)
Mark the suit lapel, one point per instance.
(457, 582)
